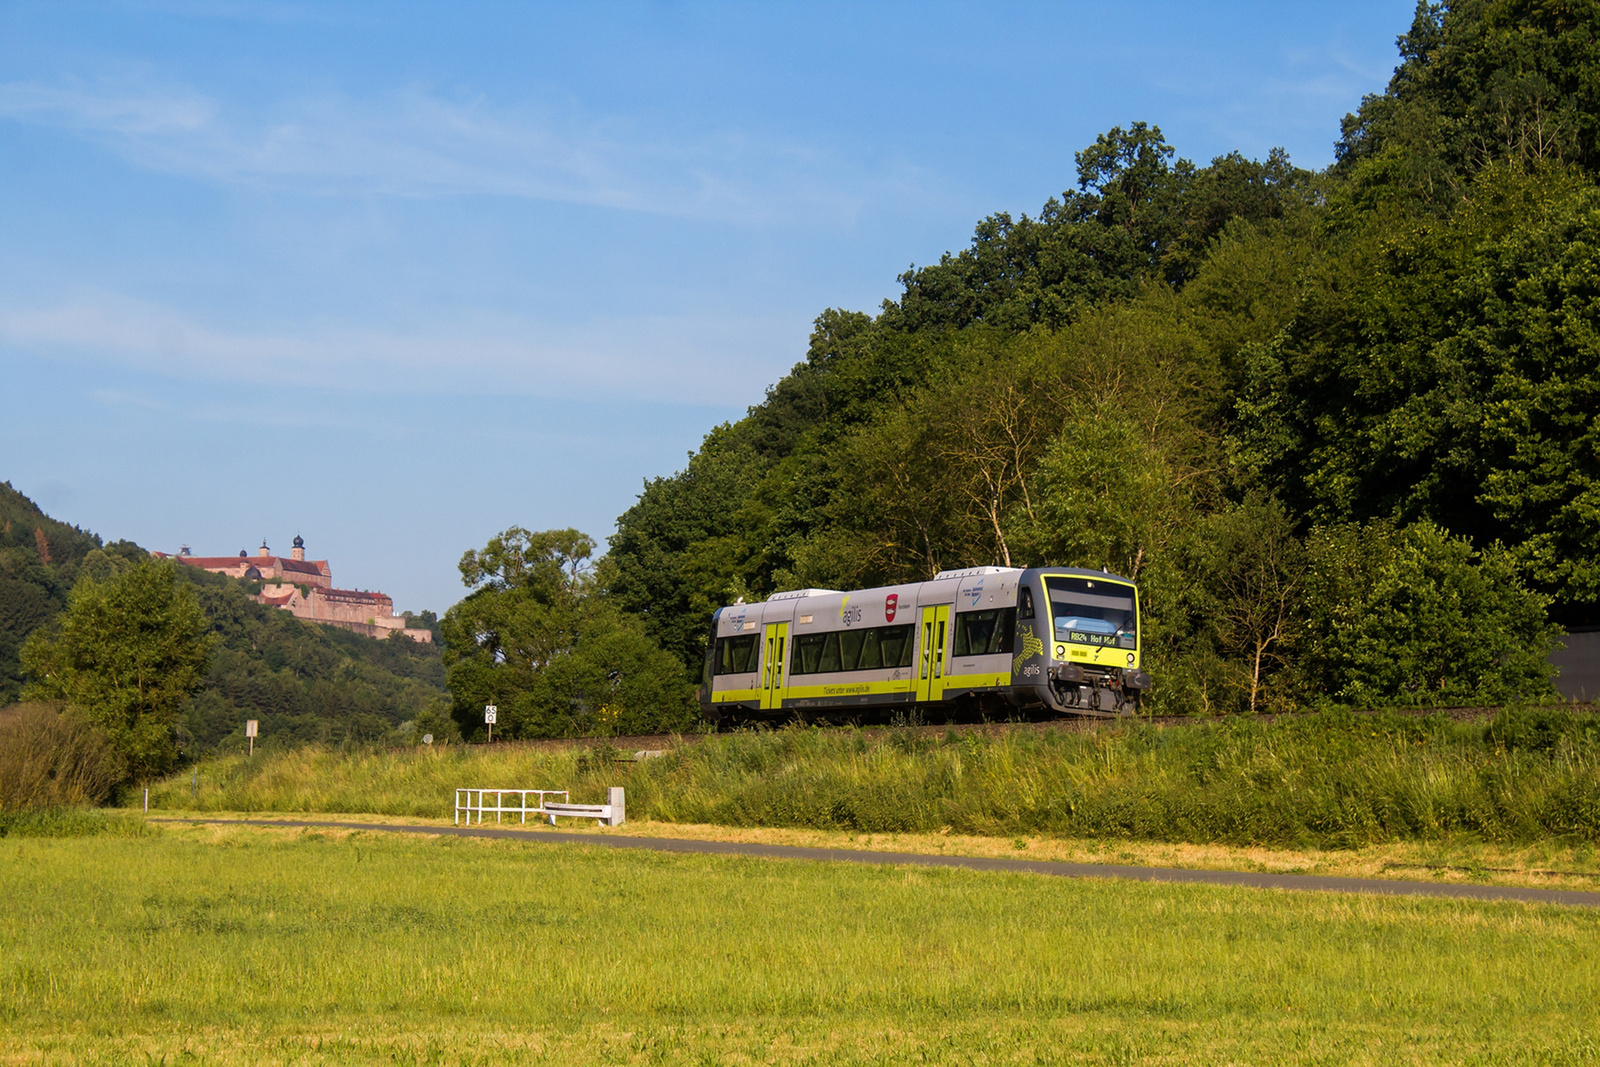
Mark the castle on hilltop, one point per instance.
(304, 588)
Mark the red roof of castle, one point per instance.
(290, 567)
(209, 562)
(310, 566)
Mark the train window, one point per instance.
(1025, 603)
(983, 633)
(1093, 611)
(830, 654)
(878, 648)
(871, 657)
(896, 644)
(807, 653)
(850, 642)
(736, 655)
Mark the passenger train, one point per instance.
(995, 639)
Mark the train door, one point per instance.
(930, 660)
(772, 669)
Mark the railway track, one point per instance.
(1075, 724)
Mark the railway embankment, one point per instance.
(1329, 780)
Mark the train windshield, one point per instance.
(1090, 611)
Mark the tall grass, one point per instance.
(1328, 780)
(50, 758)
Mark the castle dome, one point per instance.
(299, 542)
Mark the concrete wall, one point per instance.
(1579, 664)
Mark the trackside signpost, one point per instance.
(489, 713)
(250, 726)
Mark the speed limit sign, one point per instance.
(489, 712)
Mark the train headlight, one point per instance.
(1130, 659)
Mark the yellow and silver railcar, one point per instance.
(1061, 639)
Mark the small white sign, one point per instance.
(427, 739)
(489, 712)
(250, 728)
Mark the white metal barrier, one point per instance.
(473, 800)
(470, 801)
(609, 814)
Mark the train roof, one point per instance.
(968, 572)
(1082, 572)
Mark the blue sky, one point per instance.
(397, 276)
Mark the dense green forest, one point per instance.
(40, 559)
(1339, 425)
(303, 682)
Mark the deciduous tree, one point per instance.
(537, 638)
(128, 653)
(1416, 616)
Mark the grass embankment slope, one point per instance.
(234, 945)
(1509, 801)
(1327, 780)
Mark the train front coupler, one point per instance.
(1096, 692)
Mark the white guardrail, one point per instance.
(481, 801)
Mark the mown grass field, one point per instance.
(1542, 865)
(1326, 780)
(238, 945)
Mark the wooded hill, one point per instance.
(1340, 426)
(303, 682)
(40, 558)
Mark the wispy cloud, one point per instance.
(130, 115)
(417, 143)
(712, 360)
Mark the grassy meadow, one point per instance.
(1549, 864)
(1327, 780)
(242, 945)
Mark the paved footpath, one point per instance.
(1249, 879)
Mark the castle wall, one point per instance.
(348, 605)
(422, 637)
(304, 573)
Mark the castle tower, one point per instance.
(299, 549)
(264, 551)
